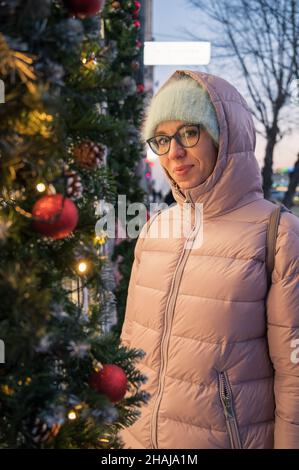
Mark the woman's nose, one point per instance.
(176, 150)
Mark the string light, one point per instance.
(36, 124)
(23, 212)
(100, 239)
(90, 62)
(72, 415)
(82, 267)
(6, 389)
(40, 187)
(105, 438)
(26, 382)
(45, 117)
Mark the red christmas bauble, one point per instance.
(136, 24)
(84, 7)
(136, 12)
(111, 381)
(55, 216)
(140, 88)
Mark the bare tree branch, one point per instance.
(262, 37)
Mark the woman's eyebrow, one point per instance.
(164, 132)
(160, 132)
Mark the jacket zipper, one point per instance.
(226, 398)
(166, 336)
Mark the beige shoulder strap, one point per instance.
(271, 241)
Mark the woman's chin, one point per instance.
(187, 183)
(184, 184)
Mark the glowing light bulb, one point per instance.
(41, 187)
(72, 415)
(100, 239)
(82, 267)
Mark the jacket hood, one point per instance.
(236, 179)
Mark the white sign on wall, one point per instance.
(177, 53)
(2, 92)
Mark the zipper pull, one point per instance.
(228, 408)
(226, 398)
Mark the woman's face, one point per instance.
(188, 167)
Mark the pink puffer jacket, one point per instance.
(220, 359)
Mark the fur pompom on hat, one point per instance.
(184, 100)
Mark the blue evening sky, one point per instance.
(170, 18)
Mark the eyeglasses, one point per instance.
(186, 136)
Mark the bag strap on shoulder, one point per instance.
(271, 241)
(271, 238)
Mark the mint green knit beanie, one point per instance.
(181, 99)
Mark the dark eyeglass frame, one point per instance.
(176, 137)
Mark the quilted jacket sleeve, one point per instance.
(128, 319)
(283, 333)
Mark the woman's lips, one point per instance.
(182, 170)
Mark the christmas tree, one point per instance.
(63, 146)
(122, 28)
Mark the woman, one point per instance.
(218, 344)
